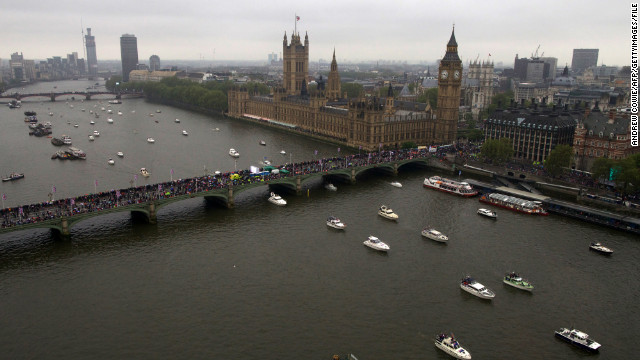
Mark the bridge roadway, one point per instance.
(87, 94)
(61, 215)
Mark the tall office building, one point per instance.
(583, 59)
(92, 59)
(154, 63)
(128, 54)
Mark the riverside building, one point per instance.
(367, 123)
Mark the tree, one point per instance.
(601, 168)
(408, 145)
(629, 176)
(560, 157)
(502, 98)
(497, 150)
(430, 97)
(353, 90)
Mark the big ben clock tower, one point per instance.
(449, 80)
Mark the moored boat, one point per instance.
(473, 287)
(330, 187)
(185, 133)
(578, 338)
(57, 141)
(396, 184)
(449, 186)
(450, 345)
(234, 153)
(596, 246)
(263, 143)
(96, 133)
(387, 213)
(376, 244)
(434, 234)
(120, 154)
(13, 176)
(515, 280)
(111, 161)
(144, 172)
(488, 213)
(335, 223)
(151, 140)
(514, 204)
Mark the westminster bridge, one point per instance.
(81, 94)
(61, 215)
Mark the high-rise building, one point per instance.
(449, 81)
(583, 59)
(550, 72)
(128, 54)
(92, 59)
(295, 64)
(154, 63)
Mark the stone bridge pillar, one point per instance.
(118, 96)
(353, 176)
(395, 169)
(87, 96)
(230, 201)
(64, 224)
(298, 185)
(53, 97)
(152, 213)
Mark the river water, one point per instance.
(260, 281)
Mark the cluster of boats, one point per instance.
(71, 153)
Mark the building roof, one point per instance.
(545, 119)
(598, 122)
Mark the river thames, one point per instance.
(260, 281)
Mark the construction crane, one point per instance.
(535, 55)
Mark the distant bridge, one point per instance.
(86, 94)
(222, 194)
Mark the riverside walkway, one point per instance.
(61, 214)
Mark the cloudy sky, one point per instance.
(411, 30)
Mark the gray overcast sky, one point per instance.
(411, 30)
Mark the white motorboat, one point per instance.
(144, 172)
(151, 140)
(517, 281)
(102, 108)
(177, 120)
(335, 223)
(111, 161)
(578, 338)
(277, 200)
(331, 187)
(120, 113)
(266, 162)
(263, 143)
(109, 111)
(596, 246)
(450, 345)
(375, 243)
(488, 213)
(283, 152)
(387, 213)
(185, 133)
(396, 184)
(75, 125)
(434, 234)
(473, 287)
(234, 153)
(158, 111)
(110, 120)
(96, 133)
(92, 122)
(91, 137)
(120, 154)
(83, 110)
(66, 139)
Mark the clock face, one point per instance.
(444, 74)
(456, 74)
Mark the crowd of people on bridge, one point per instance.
(49, 210)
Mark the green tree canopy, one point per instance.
(353, 90)
(429, 97)
(560, 157)
(497, 150)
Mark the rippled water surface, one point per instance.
(260, 281)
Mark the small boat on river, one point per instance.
(598, 247)
(376, 244)
(144, 172)
(277, 200)
(473, 287)
(387, 213)
(488, 213)
(450, 345)
(578, 338)
(517, 281)
(434, 234)
(13, 176)
(335, 223)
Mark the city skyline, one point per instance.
(411, 31)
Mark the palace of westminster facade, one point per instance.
(368, 123)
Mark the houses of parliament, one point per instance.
(367, 123)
